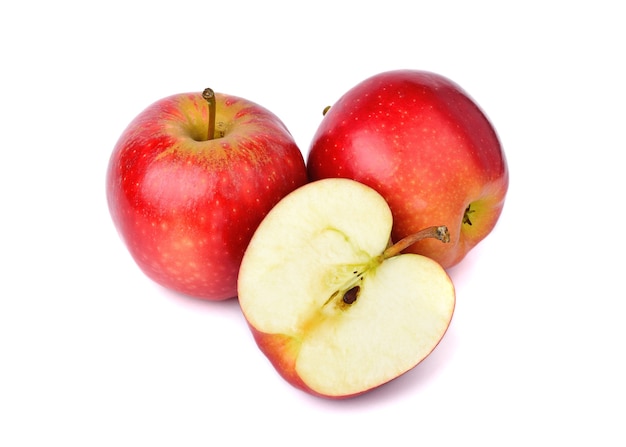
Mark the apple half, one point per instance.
(333, 305)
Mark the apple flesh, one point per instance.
(334, 307)
(425, 145)
(188, 182)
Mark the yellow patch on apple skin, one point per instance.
(185, 119)
(480, 217)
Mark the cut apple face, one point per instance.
(334, 306)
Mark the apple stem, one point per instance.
(209, 95)
(441, 233)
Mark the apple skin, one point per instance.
(419, 140)
(282, 352)
(185, 206)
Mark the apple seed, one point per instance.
(351, 295)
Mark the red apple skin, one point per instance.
(185, 206)
(282, 352)
(426, 147)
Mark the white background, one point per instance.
(93, 353)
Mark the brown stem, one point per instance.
(209, 95)
(440, 233)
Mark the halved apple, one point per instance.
(334, 307)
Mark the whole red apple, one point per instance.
(186, 205)
(422, 142)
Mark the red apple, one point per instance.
(186, 205)
(427, 148)
(335, 309)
